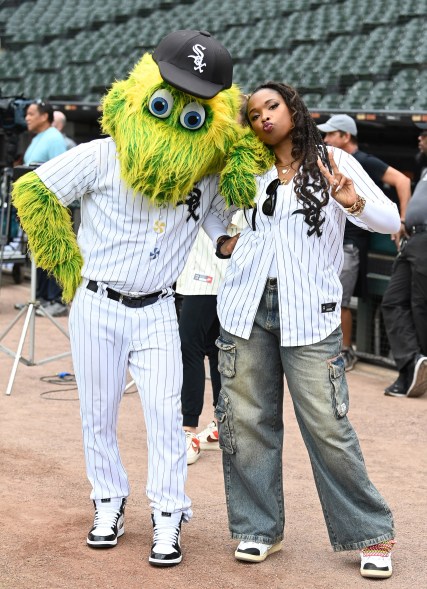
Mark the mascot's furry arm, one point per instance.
(247, 158)
(50, 232)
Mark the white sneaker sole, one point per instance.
(376, 574)
(258, 558)
(164, 563)
(419, 382)
(209, 445)
(105, 543)
(193, 458)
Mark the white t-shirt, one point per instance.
(204, 271)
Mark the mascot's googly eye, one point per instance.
(193, 116)
(160, 104)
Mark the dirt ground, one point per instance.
(46, 511)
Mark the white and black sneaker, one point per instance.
(417, 377)
(254, 551)
(108, 524)
(375, 560)
(166, 548)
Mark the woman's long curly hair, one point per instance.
(311, 187)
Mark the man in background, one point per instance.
(341, 131)
(404, 304)
(59, 122)
(46, 144)
(421, 157)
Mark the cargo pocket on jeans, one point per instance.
(339, 388)
(226, 357)
(224, 417)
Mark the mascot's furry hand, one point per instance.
(247, 158)
(42, 216)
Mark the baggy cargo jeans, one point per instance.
(251, 429)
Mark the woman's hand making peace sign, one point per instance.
(342, 188)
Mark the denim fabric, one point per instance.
(250, 423)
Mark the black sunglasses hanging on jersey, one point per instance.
(269, 205)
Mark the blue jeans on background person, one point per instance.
(251, 430)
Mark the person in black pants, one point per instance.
(404, 305)
(198, 330)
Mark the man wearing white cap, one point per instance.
(341, 131)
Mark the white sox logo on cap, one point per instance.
(194, 62)
(198, 58)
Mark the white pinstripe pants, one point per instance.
(107, 338)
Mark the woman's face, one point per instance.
(269, 116)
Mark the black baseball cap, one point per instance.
(195, 62)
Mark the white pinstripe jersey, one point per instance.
(308, 267)
(126, 242)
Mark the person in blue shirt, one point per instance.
(46, 144)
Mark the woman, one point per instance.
(279, 309)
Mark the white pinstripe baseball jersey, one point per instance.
(126, 242)
(310, 307)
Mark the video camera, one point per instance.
(12, 113)
(12, 124)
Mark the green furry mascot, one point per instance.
(166, 142)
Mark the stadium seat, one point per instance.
(326, 48)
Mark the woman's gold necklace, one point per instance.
(285, 172)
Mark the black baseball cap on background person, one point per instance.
(194, 62)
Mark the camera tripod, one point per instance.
(29, 310)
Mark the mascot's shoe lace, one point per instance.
(254, 551)
(166, 548)
(376, 560)
(108, 524)
(209, 437)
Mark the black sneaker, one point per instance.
(418, 382)
(166, 548)
(349, 357)
(399, 387)
(108, 524)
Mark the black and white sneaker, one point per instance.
(166, 548)
(254, 551)
(418, 382)
(349, 357)
(399, 387)
(375, 560)
(108, 524)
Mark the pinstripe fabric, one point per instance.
(134, 247)
(307, 268)
(125, 242)
(148, 343)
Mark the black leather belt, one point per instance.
(135, 302)
(412, 229)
